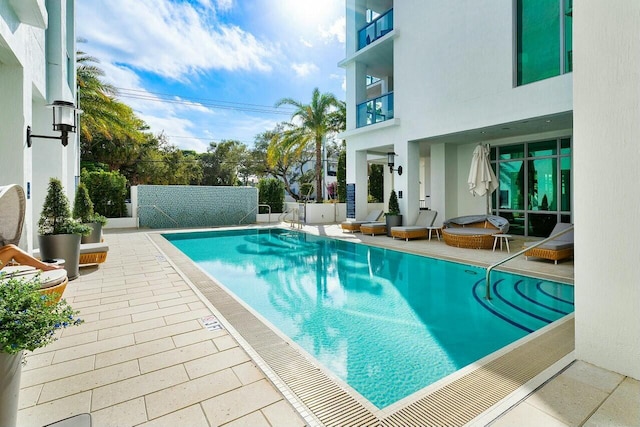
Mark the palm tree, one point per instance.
(310, 123)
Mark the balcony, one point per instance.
(376, 29)
(375, 110)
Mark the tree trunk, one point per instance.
(318, 170)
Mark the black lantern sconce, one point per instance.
(65, 116)
(391, 163)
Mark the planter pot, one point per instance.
(96, 234)
(392, 221)
(65, 246)
(10, 369)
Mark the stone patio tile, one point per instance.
(216, 362)
(128, 413)
(167, 331)
(92, 348)
(40, 415)
(133, 352)
(55, 372)
(254, 419)
(193, 416)
(66, 341)
(282, 414)
(168, 288)
(95, 325)
(105, 307)
(525, 415)
(35, 361)
(133, 311)
(88, 380)
(181, 299)
(622, 407)
(240, 402)
(130, 328)
(138, 386)
(97, 295)
(196, 305)
(29, 395)
(594, 376)
(567, 399)
(225, 342)
(187, 315)
(159, 312)
(247, 372)
(197, 336)
(128, 295)
(188, 393)
(176, 356)
(151, 297)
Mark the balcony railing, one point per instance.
(376, 29)
(375, 110)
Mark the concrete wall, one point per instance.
(606, 156)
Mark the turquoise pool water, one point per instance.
(385, 322)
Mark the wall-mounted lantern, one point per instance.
(391, 163)
(65, 117)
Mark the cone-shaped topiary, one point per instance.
(83, 207)
(55, 217)
(394, 207)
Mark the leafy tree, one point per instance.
(220, 162)
(376, 183)
(310, 125)
(271, 192)
(341, 175)
(107, 190)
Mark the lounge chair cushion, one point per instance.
(89, 248)
(49, 278)
(500, 223)
(472, 231)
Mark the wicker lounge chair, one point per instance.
(555, 249)
(419, 229)
(374, 228)
(51, 281)
(353, 225)
(473, 231)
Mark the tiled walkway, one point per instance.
(144, 357)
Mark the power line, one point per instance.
(226, 105)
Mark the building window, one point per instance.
(543, 39)
(534, 190)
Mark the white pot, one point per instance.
(10, 369)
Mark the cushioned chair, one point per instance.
(353, 225)
(419, 229)
(51, 281)
(555, 249)
(473, 231)
(374, 228)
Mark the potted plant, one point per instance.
(393, 217)
(83, 211)
(28, 320)
(58, 233)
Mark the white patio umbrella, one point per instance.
(482, 181)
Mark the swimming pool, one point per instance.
(387, 323)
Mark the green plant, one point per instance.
(83, 207)
(394, 207)
(55, 217)
(271, 192)
(341, 175)
(376, 182)
(108, 191)
(28, 318)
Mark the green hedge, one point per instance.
(271, 192)
(108, 191)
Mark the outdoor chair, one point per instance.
(556, 249)
(419, 229)
(353, 225)
(473, 231)
(51, 281)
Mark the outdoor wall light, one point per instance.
(391, 162)
(64, 120)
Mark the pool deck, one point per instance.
(144, 356)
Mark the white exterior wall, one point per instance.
(35, 42)
(453, 73)
(606, 156)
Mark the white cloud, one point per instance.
(304, 69)
(171, 39)
(306, 42)
(224, 5)
(337, 30)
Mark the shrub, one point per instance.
(55, 217)
(376, 183)
(394, 207)
(108, 191)
(341, 176)
(28, 318)
(271, 192)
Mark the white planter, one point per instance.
(10, 370)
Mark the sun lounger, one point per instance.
(473, 231)
(353, 225)
(51, 281)
(555, 249)
(419, 229)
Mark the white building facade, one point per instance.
(432, 80)
(37, 67)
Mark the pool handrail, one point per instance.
(512, 256)
(255, 209)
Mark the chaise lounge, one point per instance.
(353, 225)
(419, 229)
(473, 231)
(556, 249)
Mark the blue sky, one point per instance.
(208, 70)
